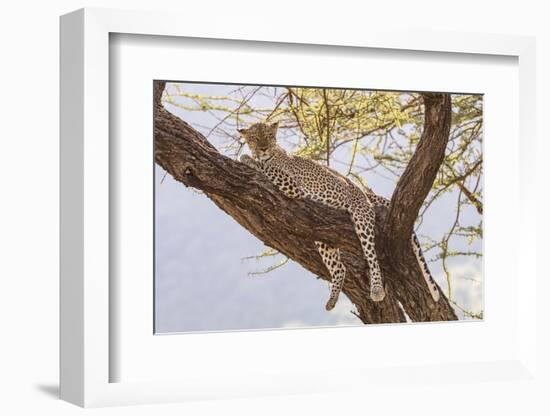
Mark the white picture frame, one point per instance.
(86, 356)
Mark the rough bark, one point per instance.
(417, 179)
(292, 226)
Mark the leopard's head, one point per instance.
(261, 139)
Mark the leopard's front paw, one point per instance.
(331, 303)
(247, 160)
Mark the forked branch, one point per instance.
(419, 175)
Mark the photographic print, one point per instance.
(282, 206)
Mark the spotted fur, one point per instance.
(298, 177)
(432, 286)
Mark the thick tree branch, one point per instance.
(292, 226)
(417, 180)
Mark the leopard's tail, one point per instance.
(432, 286)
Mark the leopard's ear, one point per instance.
(242, 131)
(274, 126)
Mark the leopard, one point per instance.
(300, 177)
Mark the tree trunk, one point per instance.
(291, 226)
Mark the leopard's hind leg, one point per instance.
(336, 269)
(363, 217)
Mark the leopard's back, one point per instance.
(319, 182)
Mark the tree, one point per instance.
(291, 226)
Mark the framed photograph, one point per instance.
(334, 147)
(225, 199)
